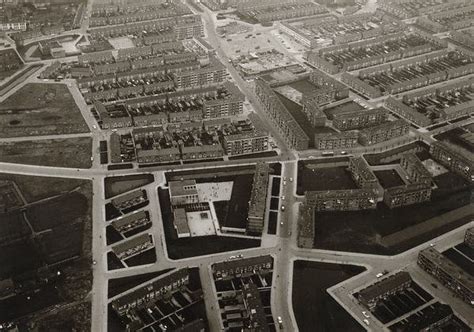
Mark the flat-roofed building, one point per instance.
(414, 168)
(383, 132)
(448, 273)
(183, 192)
(334, 141)
(342, 200)
(180, 223)
(356, 119)
(287, 126)
(362, 174)
(408, 194)
(242, 267)
(164, 155)
(469, 237)
(255, 312)
(306, 227)
(393, 284)
(455, 159)
(202, 152)
(258, 199)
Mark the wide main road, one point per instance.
(246, 88)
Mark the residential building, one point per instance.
(359, 118)
(129, 199)
(382, 289)
(408, 194)
(448, 273)
(290, 130)
(258, 199)
(414, 168)
(362, 174)
(201, 152)
(455, 159)
(163, 155)
(469, 237)
(384, 132)
(131, 222)
(306, 227)
(150, 292)
(242, 267)
(133, 246)
(342, 200)
(255, 312)
(334, 141)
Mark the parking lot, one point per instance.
(385, 79)
(401, 303)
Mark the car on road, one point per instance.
(280, 322)
(284, 183)
(291, 179)
(283, 208)
(366, 315)
(282, 198)
(366, 321)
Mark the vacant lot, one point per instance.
(35, 188)
(121, 184)
(71, 152)
(314, 308)
(360, 231)
(40, 109)
(329, 178)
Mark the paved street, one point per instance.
(282, 246)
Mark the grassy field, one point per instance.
(40, 109)
(35, 188)
(360, 231)
(328, 178)
(314, 308)
(70, 152)
(121, 184)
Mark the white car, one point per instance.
(283, 208)
(291, 179)
(366, 315)
(282, 198)
(366, 321)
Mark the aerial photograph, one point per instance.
(236, 165)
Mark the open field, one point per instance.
(70, 152)
(40, 109)
(314, 308)
(329, 178)
(35, 188)
(66, 243)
